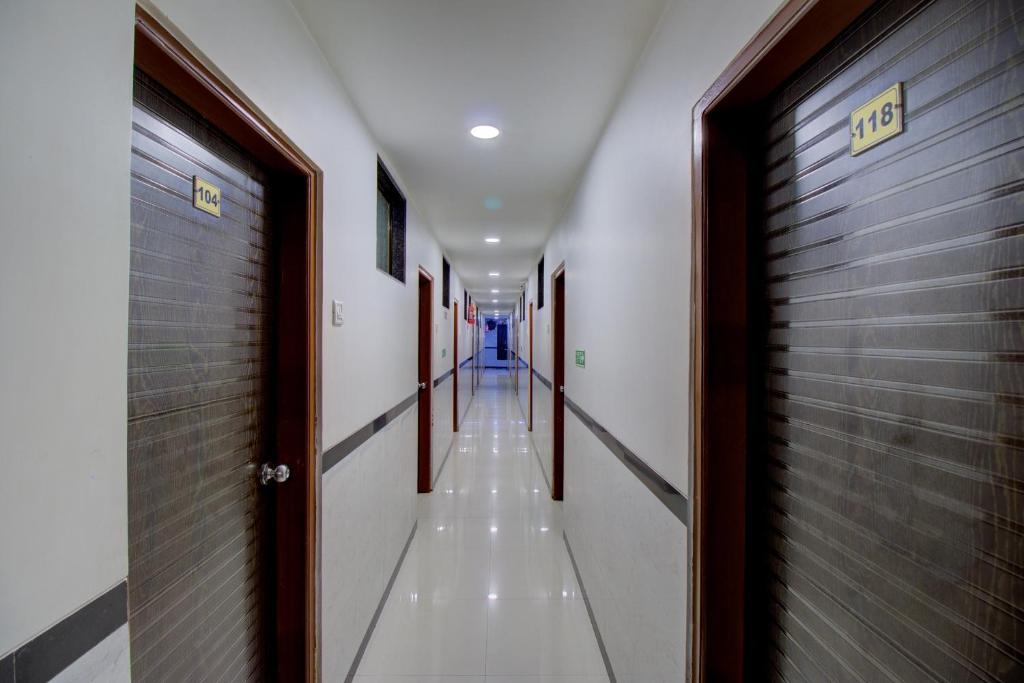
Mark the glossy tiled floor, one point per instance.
(487, 591)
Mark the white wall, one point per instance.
(625, 239)
(64, 187)
(445, 320)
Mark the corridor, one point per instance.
(512, 341)
(486, 591)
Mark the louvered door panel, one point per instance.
(893, 453)
(199, 358)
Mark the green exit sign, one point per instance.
(581, 358)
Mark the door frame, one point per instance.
(163, 53)
(558, 384)
(455, 366)
(724, 158)
(529, 418)
(425, 381)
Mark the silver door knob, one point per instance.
(423, 385)
(561, 390)
(277, 474)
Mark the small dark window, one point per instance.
(522, 307)
(540, 284)
(446, 283)
(390, 225)
(465, 305)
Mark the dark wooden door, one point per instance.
(889, 482)
(558, 361)
(425, 336)
(200, 362)
(529, 417)
(455, 367)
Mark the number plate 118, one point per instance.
(877, 121)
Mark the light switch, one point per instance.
(339, 313)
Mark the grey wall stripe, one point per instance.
(542, 378)
(674, 500)
(59, 646)
(380, 608)
(442, 378)
(590, 611)
(338, 452)
(466, 362)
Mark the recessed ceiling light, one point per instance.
(494, 274)
(484, 132)
(494, 301)
(494, 291)
(492, 240)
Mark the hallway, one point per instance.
(487, 589)
(536, 341)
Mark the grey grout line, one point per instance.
(444, 462)
(380, 608)
(536, 451)
(590, 610)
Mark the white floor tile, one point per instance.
(541, 637)
(444, 637)
(486, 592)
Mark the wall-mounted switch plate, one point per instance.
(339, 313)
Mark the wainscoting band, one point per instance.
(542, 378)
(590, 611)
(380, 608)
(59, 646)
(675, 501)
(340, 451)
(442, 378)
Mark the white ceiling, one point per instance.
(547, 72)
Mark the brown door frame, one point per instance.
(472, 358)
(558, 382)
(724, 159)
(455, 367)
(425, 380)
(297, 212)
(529, 418)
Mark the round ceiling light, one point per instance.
(494, 274)
(484, 132)
(492, 240)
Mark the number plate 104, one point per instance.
(877, 121)
(205, 196)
